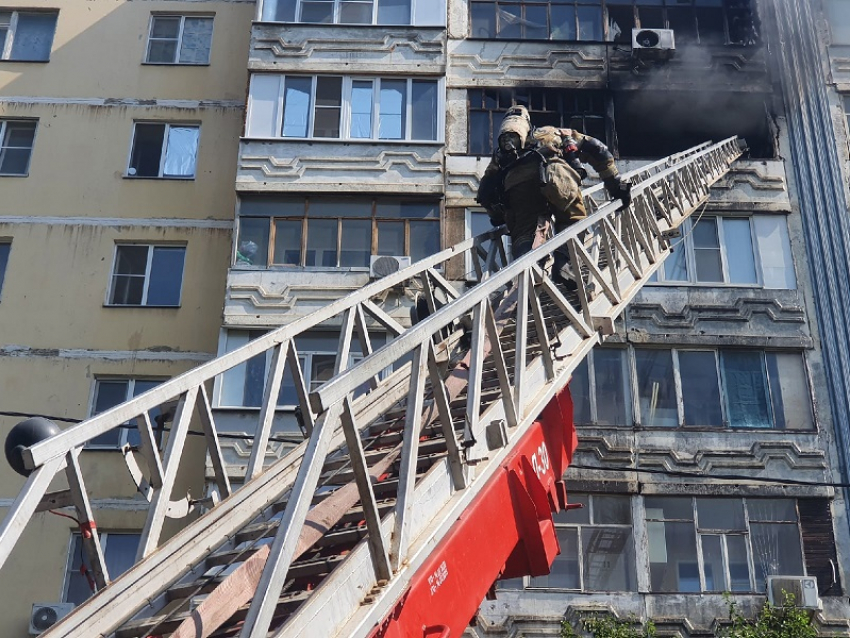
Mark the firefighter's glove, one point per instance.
(619, 189)
(497, 217)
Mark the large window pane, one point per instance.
(739, 251)
(166, 277)
(789, 391)
(355, 12)
(839, 23)
(589, 23)
(361, 109)
(108, 394)
(321, 242)
(563, 22)
(565, 569)
(656, 389)
(510, 21)
(712, 559)
(612, 510)
(197, 40)
(580, 392)
(328, 107)
(181, 151)
(676, 264)
(296, 106)
(773, 509)
(5, 248)
(611, 378)
(608, 556)
(776, 551)
(391, 124)
(746, 389)
(673, 565)
(287, 242)
(253, 247)
(393, 11)
(707, 251)
(700, 388)
(317, 11)
(390, 238)
(739, 567)
(356, 244)
(147, 150)
(721, 513)
(483, 20)
(34, 36)
(535, 22)
(424, 107)
(424, 239)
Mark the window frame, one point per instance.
(73, 549)
(4, 131)
(304, 218)
(164, 150)
(336, 11)
(345, 108)
(604, 27)
(182, 16)
(700, 530)
(9, 42)
(687, 239)
(123, 432)
(632, 397)
(148, 266)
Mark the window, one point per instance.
(27, 36)
(741, 251)
(179, 39)
(344, 108)
(597, 547)
(721, 544)
(581, 110)
(398, 12)
(119, 552)
(243, 385)
(683, 387)
(694, 21)
(164, 150)
(838, 12)
(146, 275)
(5, 249)
(16, 141)
(111, 392)
(334, 233)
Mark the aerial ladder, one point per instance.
(428, 470)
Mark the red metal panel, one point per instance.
(507, 532)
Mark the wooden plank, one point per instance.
(213, 445)
(238, 588)
(286, 540)
(88, 528)
(161, 498)
(149, 449)
(521, 340)
(476, 373)
(301, 390)
(542, 333)
(441, 400)
(382, 317)
(345, 335)
(501, 365)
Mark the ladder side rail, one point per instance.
(335, 389)
(79, 434)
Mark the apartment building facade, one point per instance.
(119, 125)
(708, 448)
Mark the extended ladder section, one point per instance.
(436, 433)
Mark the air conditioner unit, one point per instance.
(45, 615)
(383, 265)
(654, 44)
(804, 589)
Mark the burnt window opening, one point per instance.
(581, 110)
(819, 544)
(693, 21)
(652, 124)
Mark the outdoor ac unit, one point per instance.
(383, 265)
(804, 589)
(45, 615)
(656, 44)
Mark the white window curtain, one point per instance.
(181, 151)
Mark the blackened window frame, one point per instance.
(586, 110)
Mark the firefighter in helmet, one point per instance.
(538, 171)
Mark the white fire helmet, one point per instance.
(517, 121)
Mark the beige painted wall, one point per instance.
(56, 282)
(100, 45)
(80, 157)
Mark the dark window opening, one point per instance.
(580, 110)
(690, 118)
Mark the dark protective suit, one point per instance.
(543, 177)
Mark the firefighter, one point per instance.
(538, 171)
